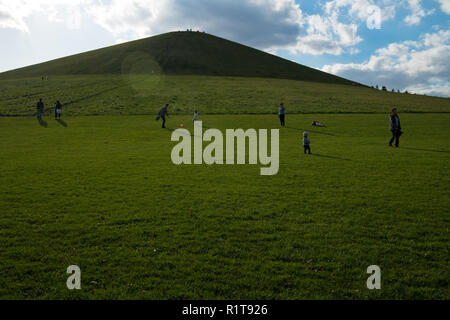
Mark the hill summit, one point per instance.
(180, 53)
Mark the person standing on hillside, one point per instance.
(195, 116)
(162, 114)
(39, 109)
(58, 110)
(395, 127)
(282, 115)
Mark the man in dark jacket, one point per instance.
(396, 128)
(39, 109)
(163, 113)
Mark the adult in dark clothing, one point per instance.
(58, 110)
(395, 127)
(282, 115)
(39, 109)
(163, 113)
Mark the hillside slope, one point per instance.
(178, 53)
(145, 94)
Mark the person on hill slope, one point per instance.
(39, 109)
(162, 114)
(195, 116)
(395, 128)
(282, 115)
(58, 110)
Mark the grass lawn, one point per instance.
(145, 95)
(103, 194)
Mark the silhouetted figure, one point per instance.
(39, 109)
(395, 127)
(58, 110)
(162, 115)
(282, 115)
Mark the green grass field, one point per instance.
(103, 194)
(146, 94)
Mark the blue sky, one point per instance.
(402, 44)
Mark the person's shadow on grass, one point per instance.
(43, 123)
(61, 122)
(190, 135)
(426, 150)
(309, 130)
(329, 157)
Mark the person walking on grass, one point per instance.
(58, 110)
(282, 115)
(306, 143)
(395, 127)
(195, 116)
(162, 114)
(39, 109)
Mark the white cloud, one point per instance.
(336, 30)
(326, 35)
(266, 24)
(442, 90)
(445, 6)
(418, 66)
(270, 25)
(417, 12)
(13, 13)
(359, 8)
(129, 18)
(10, 20)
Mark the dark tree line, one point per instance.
(384, 88)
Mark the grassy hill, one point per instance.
(192, 70)
(145, 94)
(179, 53)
